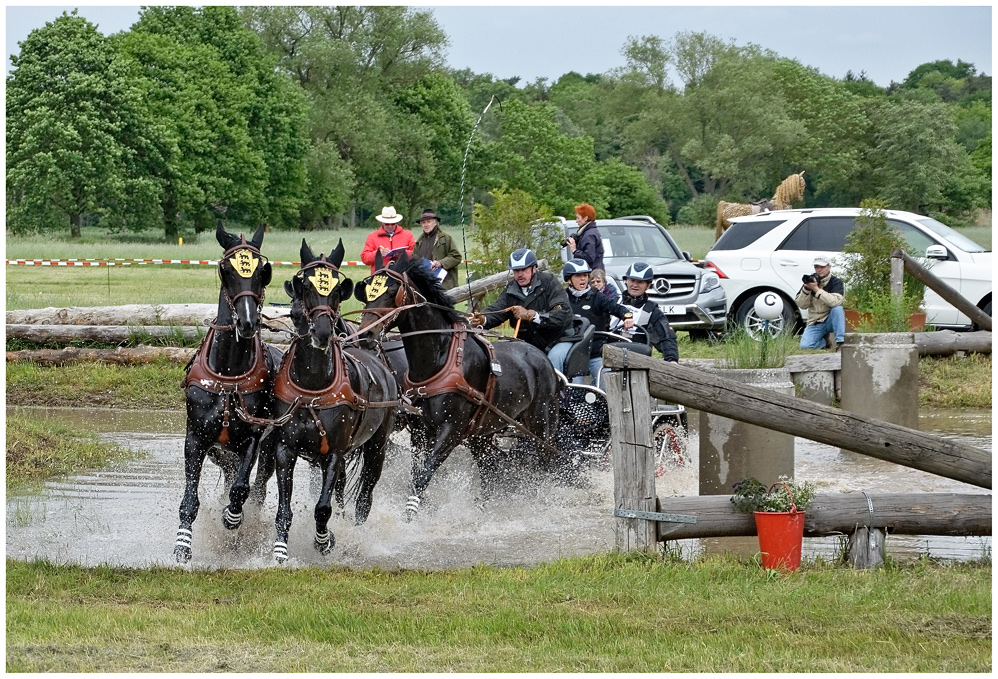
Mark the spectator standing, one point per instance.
(586, 243)
(390, 236)
(438, 248)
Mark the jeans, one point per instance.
(814, 334)
(558, 353)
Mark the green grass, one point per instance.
(155, 385)
(38, 450)
(955, 382)
(604, 613)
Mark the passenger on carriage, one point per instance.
(538, 302)
(589, 303)
(650, 325)
(605, 284)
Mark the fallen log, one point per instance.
(128, 314)
(120, 356)
(709, 392)
(116, 334)
(477, 288)
(944, 290)
(948, 342)
(839, 514)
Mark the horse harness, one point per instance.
(450, 378)
(200, 374)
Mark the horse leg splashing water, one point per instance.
(340, 404)
(229, 376)
(466, 389)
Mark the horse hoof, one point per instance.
(324, 547)
(231, 521)
(182, 554)
(280, 552)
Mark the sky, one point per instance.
(886, 42)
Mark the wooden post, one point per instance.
(701, 390)
(897, 276)
(944, 290)
(866, 548)
(633, 457)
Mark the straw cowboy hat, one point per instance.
(389, 216)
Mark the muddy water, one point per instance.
(128, 515)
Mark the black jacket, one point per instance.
(589, 245)
(547, 298)
(597, 309)
(656, 328)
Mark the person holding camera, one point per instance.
(587, 243)
(821, 295)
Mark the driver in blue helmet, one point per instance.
(650, 324)
(537, 300)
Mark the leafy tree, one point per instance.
(535, 157)
(913, 153)
(69, 109)
(352, 62)
(514, 220)
(630, 193)
(241, 139)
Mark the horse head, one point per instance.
(245, 274)
(316, 292)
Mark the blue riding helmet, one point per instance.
(524, 258)
(574, 266)
(639, 271)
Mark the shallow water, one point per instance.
(128, 515)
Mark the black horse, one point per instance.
(332, 403)
(228, 383)
(465, 387)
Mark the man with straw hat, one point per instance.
(390, 239)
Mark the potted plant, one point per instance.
(779, 518)
(870, 306)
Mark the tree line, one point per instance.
(315, 117)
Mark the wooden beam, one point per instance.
(477, 288)
(119, 356)
(947, 342)
(839, 514)
(701, 390)
(115, 334)
(947, 292)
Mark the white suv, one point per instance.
(770, 251)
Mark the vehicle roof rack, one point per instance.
(639, 218)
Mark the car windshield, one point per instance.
(953, 237)
(637, 240)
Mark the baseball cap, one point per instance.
(821, 260)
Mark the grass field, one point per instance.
(605, 613)
(34, 287)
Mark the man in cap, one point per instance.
(821, 295)
(389, 239)
(650, 324)
(537, 301)
(438, 248)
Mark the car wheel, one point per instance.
(755, 326)
(986, 309)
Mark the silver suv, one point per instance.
(691, 298)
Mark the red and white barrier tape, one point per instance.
(143, 262)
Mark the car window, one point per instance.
(954, 238)
(741, 234)
(824, 234)
(917, 241)
(636, 241)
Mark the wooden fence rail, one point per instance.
(709, 392)
(839, 514)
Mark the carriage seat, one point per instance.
(577, 361)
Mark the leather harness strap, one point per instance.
(450, 379)
(337, 393)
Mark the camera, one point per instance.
(810, 278)
(564, 243)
